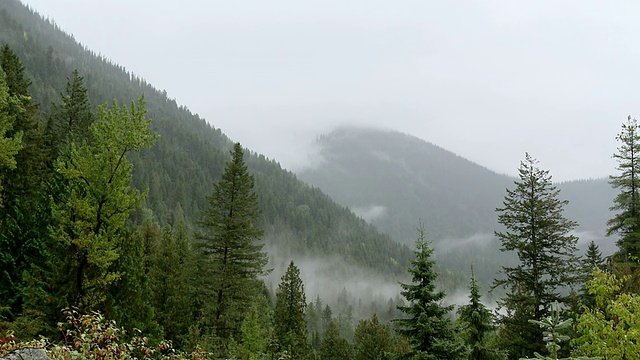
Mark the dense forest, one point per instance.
(131, 228)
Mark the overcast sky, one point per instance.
(487, 80)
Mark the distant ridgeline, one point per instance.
(393, 179)
(189, 156)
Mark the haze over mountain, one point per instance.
(394, 180)
(300, 222)
(487, 80)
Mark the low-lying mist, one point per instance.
(340, 283)
(331, 277)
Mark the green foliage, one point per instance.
(334, 346)
(94, 337)
(290, 324)
(536, 229)
(24, 215)
(611, 329)
(255, 330)
(229, 242)
(373, 340)
(69, 122)
(191, 153)
(592, 260)
(172, 275)
(426, 324)
(553, 327)
(9, 146)
(100, 199)
(626, 222)
(477, 325)
(130, 298)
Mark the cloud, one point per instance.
(370, 213)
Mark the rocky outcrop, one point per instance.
(27, 354)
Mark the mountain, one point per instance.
(394, 180)
(180, 169)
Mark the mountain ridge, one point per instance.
(181, 167)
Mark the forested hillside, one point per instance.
(180, 168)
(391, 179)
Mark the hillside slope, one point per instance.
(189, 156)
(395, 180)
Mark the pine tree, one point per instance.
(626, 222)
(9, 145)
(538, 232)
(426, 325)
(130, 299)
(25, 216)
(230, 243)
(327, 316)
(592, 260)
(255, 329)
(290, 324)
(373, 340)
(477, 323)
(334, 346)
(314, 321)
(172, 273)
(69, 122)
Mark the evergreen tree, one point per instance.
(626, 222)
(255, 329)
(25, 215)
(538, 232)
(9, 145)
(334, 346)
(327, 316)
(70, 121)
(289, 316)
(373, 341)
(314, 322)
(426, 324)
(171, 276)
(477, 324)
(230, 243)
(130, 300)
(91, 220)
(592, 260)
(16, 79)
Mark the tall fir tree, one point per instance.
(230, 242)
(626, 205)
(426, 325)
(477, 324)
(536, 229)
(290, 324)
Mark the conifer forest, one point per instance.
(132, 228)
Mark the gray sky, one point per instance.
(487, 80)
